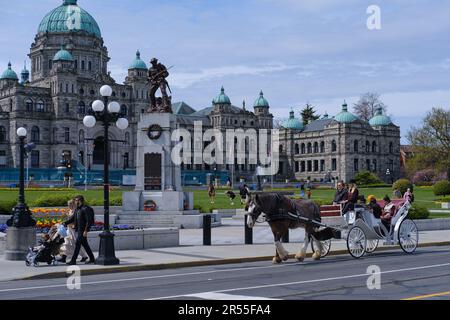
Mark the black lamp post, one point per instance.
(107, 114)
(22, 217)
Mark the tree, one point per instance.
(309, 114)
(431, 142)
(367, 106)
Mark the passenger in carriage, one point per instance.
(352, 198)
(374, 207)
(341, 194)
(388, 212)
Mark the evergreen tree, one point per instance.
(309, 114)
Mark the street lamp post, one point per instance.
(106, 113)
(21, 233)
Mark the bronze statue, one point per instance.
(157, 75)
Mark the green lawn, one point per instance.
(423, 196)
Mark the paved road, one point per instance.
(425, 274)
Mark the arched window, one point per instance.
(281, 148)
(374, 147)
(391, 148)
(356, 146)
(81, 107)
(322, 147)
(297, 148)
(35, 135)
(316, 147)
(333, 146)
(90, 66)
(367, 146)
(2, 134)
(127, 138)
(303, 148)
(40, 106)
(124, 110)
(309, 148)
(81, 136)
(29, 105)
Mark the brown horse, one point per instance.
(281, 214)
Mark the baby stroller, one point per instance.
(48, 247)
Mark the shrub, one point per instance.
(424, 184)
(53, 200)
(418, 212)
(7, 206)
(366, 178)
(442, 188)
(445, 199)
(403, 185)
(376, 185)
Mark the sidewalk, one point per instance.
(227, 248)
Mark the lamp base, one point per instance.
(107, 256)
(18, 241)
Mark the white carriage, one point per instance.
(364, 232)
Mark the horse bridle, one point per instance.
(257, 212)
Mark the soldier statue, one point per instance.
(157, 75)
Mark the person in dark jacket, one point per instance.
(352, 199)
(341, 194)
(83, 222)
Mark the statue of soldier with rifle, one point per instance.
(157, 75)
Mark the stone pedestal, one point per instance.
(18, 241)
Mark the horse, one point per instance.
(281, 214)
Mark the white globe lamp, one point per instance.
(89, 121)
(98, 106)
(122, 123)
(106, 91)
(22, 132)
(114, 107)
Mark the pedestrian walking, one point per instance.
(68, 248)
(84, 219)
(212, 192)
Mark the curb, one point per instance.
(177, 265)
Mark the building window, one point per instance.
(127, 138)
(81, 107)
(333, 146)
(374, 147)
(367, 146)
(391, 148)
(322, 165)
(375, 165)
(333, 164)
(67, 108)
(303, 166)
(368, 165)
(50, 64)
(356, 146)
(67, 135)
(90, 66)
(67, 88)
(82, 65)
(309, 164)
(126, 160)
(55, 135)
(303, 148)
(35, 134)
(124, 110)
(316, 165)
(81, 136)
(281, 148)
(309, 148)
(356, 165)
(297, 148)
(2, 134)
(322, 147)
(3, 159)
(35, 159)
(40, 106)
(297, 166)
(76, 64)
(316, 147)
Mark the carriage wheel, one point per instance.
(27, 263)
(356, 242)
(372, 245)
(408, 236)
(326, 247)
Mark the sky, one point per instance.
(297, 51)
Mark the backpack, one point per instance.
(90, 216)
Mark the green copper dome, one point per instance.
(9, 74)
(69, 17)
(380, 119)
(292, 123)
(63, 55)
(138, 63)
(344, 116)
(222, 98)
(261, 101)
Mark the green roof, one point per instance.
(138, 63)
(69, 17)
(345, 116)
(63, 55)
(380, 119)
(261, 101)
(222, 98)
(9, 74)
(292, 123)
